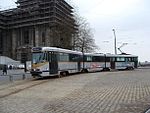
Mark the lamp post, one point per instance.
(115, 41)
(24, 58)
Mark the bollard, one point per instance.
(10, 78)
(23, 76)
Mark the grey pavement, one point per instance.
(13, 75)
(103, 92)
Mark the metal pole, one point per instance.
(115, 42)
(10, 78)
(23, 77)
(25, 66)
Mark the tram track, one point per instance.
(14, 84)
(23, 85)
(16, 88)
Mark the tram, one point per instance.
(107, 62)
(123, 61)
(52, 61)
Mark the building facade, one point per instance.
(35, 23)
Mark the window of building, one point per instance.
(26, 37)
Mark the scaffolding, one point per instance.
(31, 12)
(38, 23)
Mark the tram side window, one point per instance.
(74, 57)
(98, 59)
(120, 59)
(108, 59)
(63, 57)
(135, 59)
(128, 59)
(88, 58)
(131, 59)
(113, 59)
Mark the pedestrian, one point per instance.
(5, 69)
(10, 67)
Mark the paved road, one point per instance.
(105, 92)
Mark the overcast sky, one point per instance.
(129, 18)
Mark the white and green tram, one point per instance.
(52, 61)
(107, 62)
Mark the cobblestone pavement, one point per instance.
(104, 92)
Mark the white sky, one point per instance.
(130, 19)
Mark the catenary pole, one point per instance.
(115, 41)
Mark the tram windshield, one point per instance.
(39, 57)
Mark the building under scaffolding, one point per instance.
(35, 23)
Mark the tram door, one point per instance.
(53, 63)
(112, 63)
(79, 63)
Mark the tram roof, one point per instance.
(110, 55)
(94, 54)
(54, 49)
(120, 55)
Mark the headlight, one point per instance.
(35, 69)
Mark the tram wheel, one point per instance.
(65, 73)
(59, 76)
(84, 71)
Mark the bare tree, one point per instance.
(83, 38)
